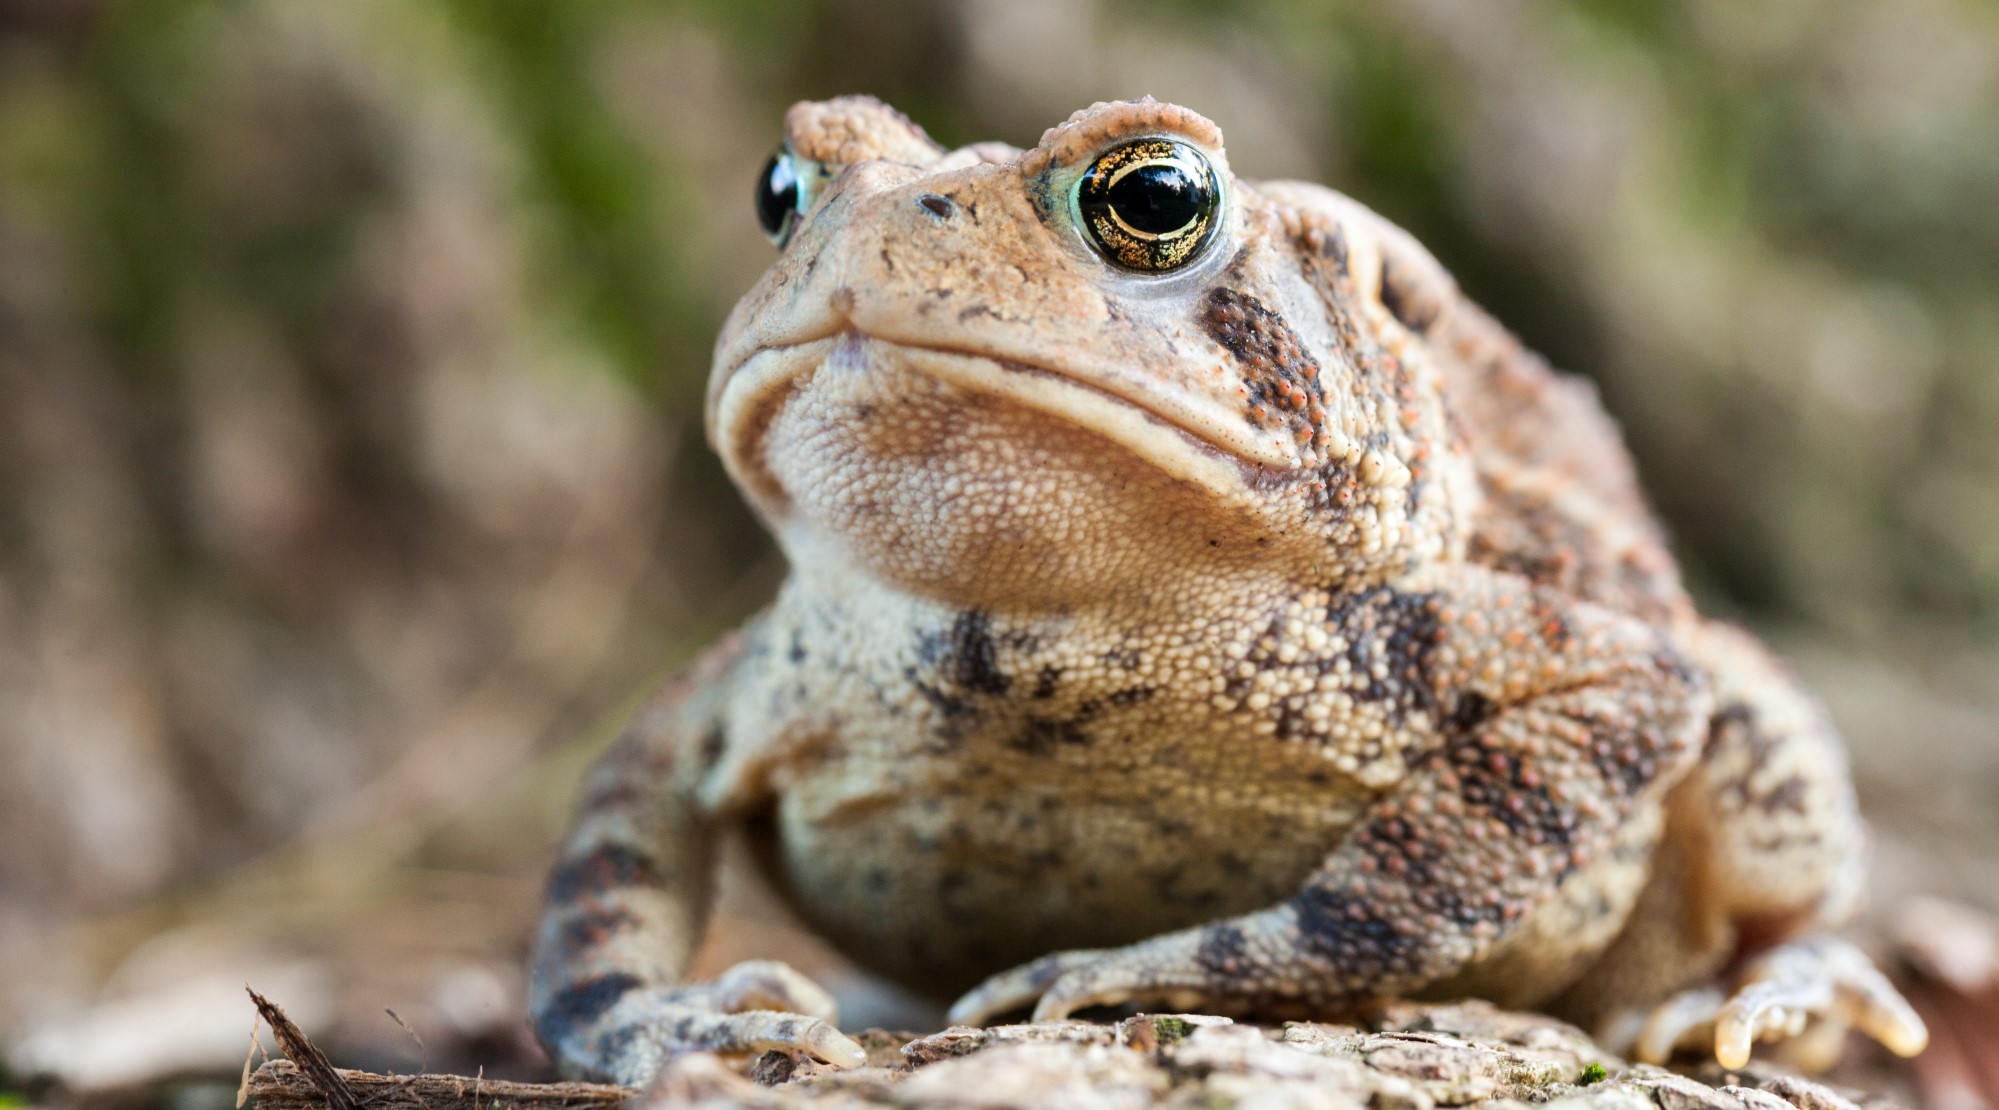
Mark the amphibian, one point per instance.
(1195, 601)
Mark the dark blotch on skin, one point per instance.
(604, 869)
(1736, 725)
(965, 654)
(1335, 490)
(1281, 374)
(1046, 682)
(1448, 903)
(1039, 735)
(1342, 930)
(1502, 784)
(952, 708)
(1328, 248)
(1735, 714)
(1790, 794)
(576, 1006)
(1408, 298)
(616, 1044)
(590, 929)
(1396, 628)
(1419, 862)
(955, 667)
(1472, 710)
(1323, 256)
(1526, 534)
(712, 744)
(1224, 952)
(1396, 850)
(1628, 760)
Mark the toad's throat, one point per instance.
(1184, 449)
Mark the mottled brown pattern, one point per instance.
(1268, 635)
(1279, 376)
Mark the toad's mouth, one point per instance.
(1183, 450)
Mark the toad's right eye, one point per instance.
(778, 196)
(1150, 205)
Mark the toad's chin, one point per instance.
(974, 480)
(1185, 454)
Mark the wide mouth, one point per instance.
(1177, 449)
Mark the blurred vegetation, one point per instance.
(351, 353)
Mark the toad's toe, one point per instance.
(1017, 988)
(772, 985)
(1807, 992)
(1824, 978)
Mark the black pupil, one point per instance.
(777, 195)
(1158, 198)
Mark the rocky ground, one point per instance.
(1409, 1057)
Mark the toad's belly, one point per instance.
(936, 873)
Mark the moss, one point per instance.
(1530, 1081)
(1592, 1074)
(1171, 1029)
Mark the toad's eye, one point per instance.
(1150, 205)
(777, 197)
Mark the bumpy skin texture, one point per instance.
(1264, 637)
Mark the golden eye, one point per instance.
(1150, 205)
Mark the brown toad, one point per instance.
(1195, 600)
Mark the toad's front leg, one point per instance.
(627, 901)
(1561, 722)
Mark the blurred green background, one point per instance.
(351, 351)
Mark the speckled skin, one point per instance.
(1268, 636)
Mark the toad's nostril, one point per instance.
(938, 206)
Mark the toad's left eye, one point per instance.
(1150, 205)
(777, 197)
(786, 191)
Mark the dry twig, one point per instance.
(282, 1085)
(310, 1061)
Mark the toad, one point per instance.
(1195, 601)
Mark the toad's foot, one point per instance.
(1176, 970)
(1808, 991)
(1021, 987)
(753, 1007)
